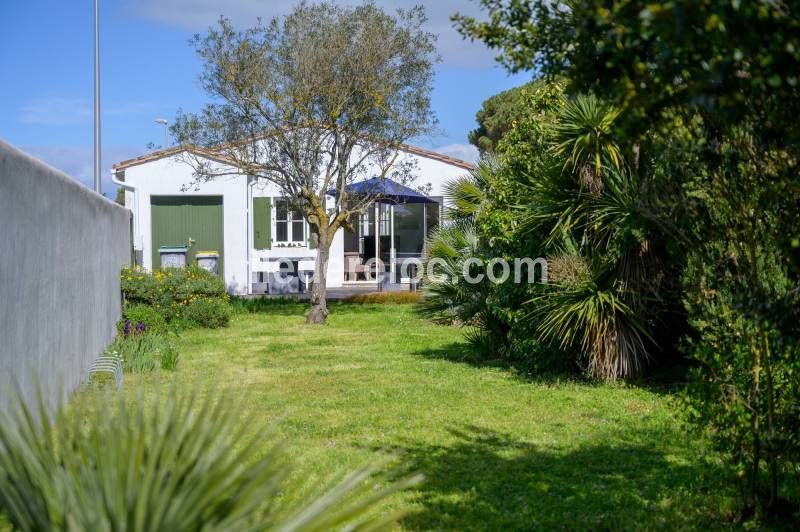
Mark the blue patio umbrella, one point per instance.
(388, 192)
(385, 191)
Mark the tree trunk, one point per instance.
(318, 312)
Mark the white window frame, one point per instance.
(367, 227)
(289, 224)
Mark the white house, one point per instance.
(250, 226)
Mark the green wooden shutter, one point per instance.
(262, 229)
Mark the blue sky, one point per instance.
(149, 71)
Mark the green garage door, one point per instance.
(176, 219)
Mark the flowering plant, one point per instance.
(169, 293)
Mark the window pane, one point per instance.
(432, 210)
(281, 210)
(297, 231)
(408, 228)
(365, 225)
(351, 237)
(297, 214)
(385, 218)
(282, 228)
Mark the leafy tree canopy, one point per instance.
(727, 58)
(497, 116)
(702, 100)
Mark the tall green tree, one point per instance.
(708, 95)
(498, 114)
(726, 58)
(312, 102)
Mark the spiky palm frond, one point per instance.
(556, 206)
(452, 241)
(467, 195)
(604, 315)
(448, 296)
(583, 138)
(586, 310)
(180, 462)
(612, 218)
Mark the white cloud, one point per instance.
(56, 112)
(59, 111)
(197, 15)
(77, 161)
(465, 152)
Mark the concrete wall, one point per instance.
(61, 250)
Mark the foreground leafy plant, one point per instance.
(594, 317)
(141, 350)
(184, 462)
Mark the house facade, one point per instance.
(249, 229)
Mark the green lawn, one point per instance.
(499, 451)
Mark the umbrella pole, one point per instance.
(391, 248)
(424, 228)
(378, 244)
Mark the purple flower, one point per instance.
(126, 330)
(140, 327)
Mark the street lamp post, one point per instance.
(97, 162)
(163, 122)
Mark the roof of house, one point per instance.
(168, 152)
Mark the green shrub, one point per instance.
(386, 297)
(181, 462)
(208, 312)
(136, 313)
(170, 285)
(139, 286)
(169, 292)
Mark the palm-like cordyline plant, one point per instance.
(184, 462)
(583, 139)
(590, 312)
(584, 205)
(606, 226)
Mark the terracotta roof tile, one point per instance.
(168, 152)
